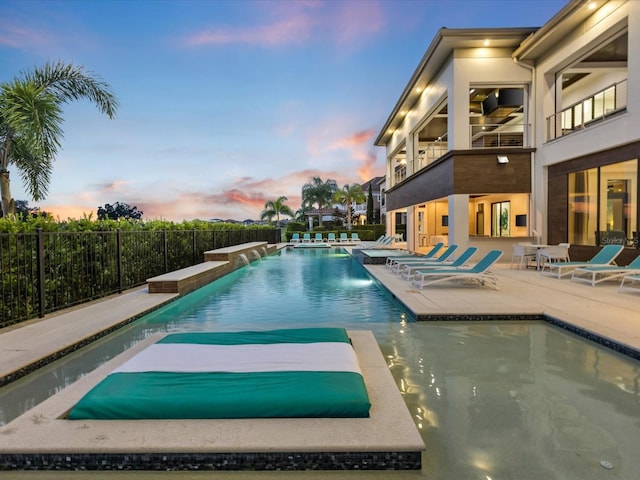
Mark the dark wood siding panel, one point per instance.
(483, 174)
(620, 154)
(431, 184)
(468, 172)
(557, 209)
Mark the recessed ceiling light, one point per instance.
(592, 6)
(486, 43)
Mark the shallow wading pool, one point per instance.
(492, 400)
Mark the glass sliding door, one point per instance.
(500, 215)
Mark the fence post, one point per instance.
(119, 255)
(165, 251)
(40, 260)
(194, 260)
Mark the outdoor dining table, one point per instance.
(538, 247)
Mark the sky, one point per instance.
(224, 105)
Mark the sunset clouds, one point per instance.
(295, 23)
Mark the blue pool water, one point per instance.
(492, 400)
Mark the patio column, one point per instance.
(411, 232)
(459, 220)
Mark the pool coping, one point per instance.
(388, 440)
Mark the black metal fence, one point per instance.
(47, 271)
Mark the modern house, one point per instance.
(508, 134)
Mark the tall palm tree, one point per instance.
(319, 193)
(275, 208)
(348, 195)
(31, 122)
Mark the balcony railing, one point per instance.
(497, 135)
(429, 153)
(591, 109)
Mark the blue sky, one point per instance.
(227, 104)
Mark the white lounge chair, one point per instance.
(410, 270)
(295, 238)
(605, 256)
(417, 262)
(479, 273)
(306, 238)
(396, 263)
(318, 238)
(601, 273)
(633, 284)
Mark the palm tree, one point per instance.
(347, 195)
(319, 193)
(31, 122)
(274, 208)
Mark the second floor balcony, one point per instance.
(588, 111)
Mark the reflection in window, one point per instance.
(583, 205)
(500, 219)
(604, 211)
(617, 203)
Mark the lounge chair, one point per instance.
(392, 261)
(295, 238)
(402, 264)
(306, 238)
(331, 237)
(344, 237)
(479, 273)
(355, 238)
(633, 285)
(318, 238)
(384, 243)
(605, 256)
(600, 273)
(410, 270)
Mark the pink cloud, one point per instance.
(344, 23)
(292, 29)
(356, 140)
(19, 37)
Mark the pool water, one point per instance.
(492, 400)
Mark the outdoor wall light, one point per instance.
(503, 159)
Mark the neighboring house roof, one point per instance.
(375, 184)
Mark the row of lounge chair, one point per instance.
(601, 267)
(318, 238)
(431, 269)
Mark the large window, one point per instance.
(603, 206)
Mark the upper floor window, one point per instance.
(591, 88)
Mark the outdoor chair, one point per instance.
(523, 255)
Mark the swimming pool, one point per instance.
(491, 399)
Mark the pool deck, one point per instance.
(601, 310)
